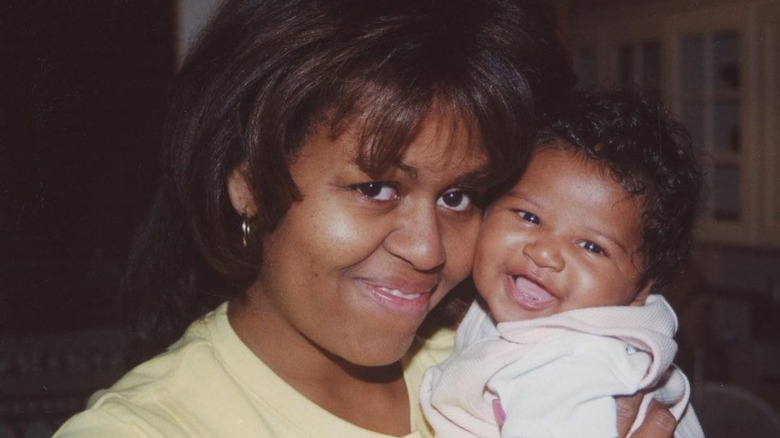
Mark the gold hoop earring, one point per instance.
(246, 229)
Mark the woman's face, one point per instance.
(356, 265)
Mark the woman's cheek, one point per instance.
(460, 243)
(348, 229)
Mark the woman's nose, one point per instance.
(417, 238)
(545, 253)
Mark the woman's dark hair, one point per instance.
(264, 73)
(650, 154)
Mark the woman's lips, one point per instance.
(412, 300)
(529, 294)
(399, 293)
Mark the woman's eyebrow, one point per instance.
(463, 179)
(469, 178)
(407, 169)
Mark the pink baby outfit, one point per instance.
(556, 376)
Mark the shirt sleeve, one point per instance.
(97, 423)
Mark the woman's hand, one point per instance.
(658, 422)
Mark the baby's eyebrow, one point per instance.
(617, 242)
(523, 196)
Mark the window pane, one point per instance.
(775, 205)
(725, 194)
(693, 117)
(626, 64)
(693, 63)
(652, 67)
(585, 67)
(726, 54)
(651, 63)
(726, 127)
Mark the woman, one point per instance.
(325, 162)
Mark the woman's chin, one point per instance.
(379, 353)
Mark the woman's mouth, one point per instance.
(400, 294)
(406, 301)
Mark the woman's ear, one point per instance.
(240, 192)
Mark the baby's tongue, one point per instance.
(530, 293)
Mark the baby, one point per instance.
(569, 265)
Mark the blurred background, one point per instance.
(82, 97)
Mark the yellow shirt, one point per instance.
(209, 384)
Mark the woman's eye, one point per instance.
(592, 247)
(528, 216)
(377, 191)
(456, 200)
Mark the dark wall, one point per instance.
(82, 96)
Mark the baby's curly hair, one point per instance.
(651, 155)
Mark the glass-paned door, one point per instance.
(710, 78)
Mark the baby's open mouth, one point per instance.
(529, 293)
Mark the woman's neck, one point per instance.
(370, 397)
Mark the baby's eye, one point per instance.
(377, 190)
(528, 216)
(592, 247)
(456, 200)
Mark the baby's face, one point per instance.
(564, 237)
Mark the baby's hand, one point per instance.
(658, 422)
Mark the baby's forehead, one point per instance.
(570, 179)
(628, 173)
